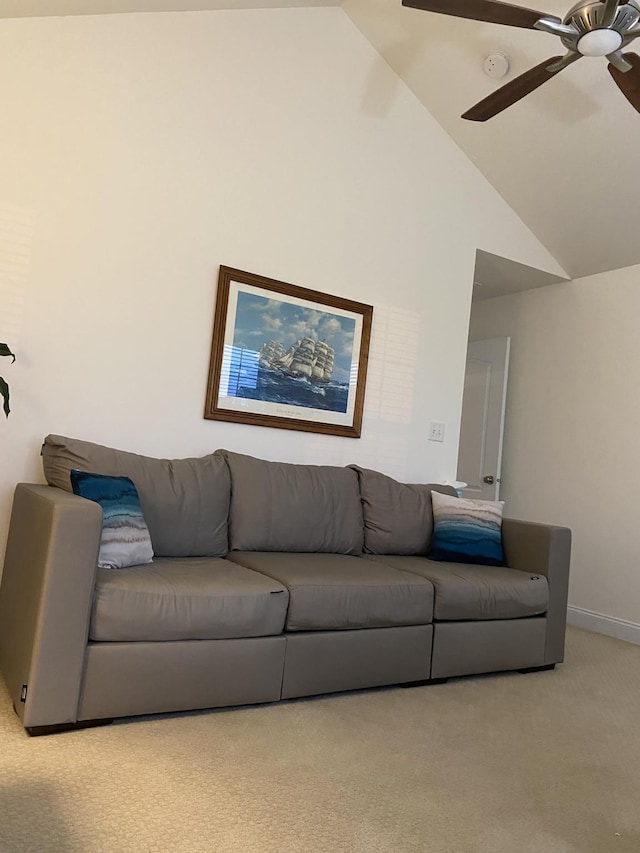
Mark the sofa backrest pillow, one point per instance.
(467, 531)
(277, 506)
(185, 502)
(125, 539)
(398, 518)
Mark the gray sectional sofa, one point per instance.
(270, 581)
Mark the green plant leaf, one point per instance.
(4, 350)
(4, 390)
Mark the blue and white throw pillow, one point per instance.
(125, 536)
(466, 531)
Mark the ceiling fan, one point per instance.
(590, 28)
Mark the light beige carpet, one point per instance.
(542, 763)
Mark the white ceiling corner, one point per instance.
(497, 276)
(566, 158)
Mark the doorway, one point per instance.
(482, 424)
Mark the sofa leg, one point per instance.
(38, 731)
(538, 668)
(423, 682)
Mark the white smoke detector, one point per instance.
(496, 65)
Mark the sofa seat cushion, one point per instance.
(465, 591)
(198, 598)
(337, 591)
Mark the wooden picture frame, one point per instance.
(288, 357)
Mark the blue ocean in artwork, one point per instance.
(249, 380)
(274, 387)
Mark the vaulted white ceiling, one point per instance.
(566, 158)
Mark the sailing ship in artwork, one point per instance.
(305, 359)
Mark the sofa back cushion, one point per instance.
(398, 518)
(277, 506)
(185, 502)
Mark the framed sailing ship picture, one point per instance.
(286, 356)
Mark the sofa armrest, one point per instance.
(45, 601)
(543, 549)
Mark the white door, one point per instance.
(482, 426)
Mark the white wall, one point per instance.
(140, 152)
(572, 435)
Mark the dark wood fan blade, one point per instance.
(512, 92)
(491, 11)
(629, 81)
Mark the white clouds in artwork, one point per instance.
(299, 329)
(259, 319)
(330, 326)
(259, 303)
(271, 324)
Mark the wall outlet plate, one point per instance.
(436, 431)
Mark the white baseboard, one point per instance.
(601, 624)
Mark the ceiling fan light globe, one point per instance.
(599, 43)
